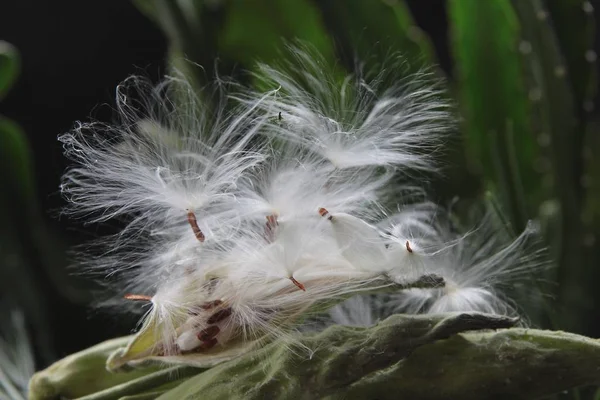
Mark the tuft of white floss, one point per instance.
(16, 358)
(477, 268)
(168, 154)
(244, 213)
(479, 265)
(354, 121)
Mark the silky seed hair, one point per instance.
(244, 213)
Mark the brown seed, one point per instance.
(211, 285)
(300, 285)
(211, 304)
(219, 316)
(191, 217)
(142, 297)
(408, 248)
(208, 333)
(325, 214)
(209, 344)
(270, 227)
(272, 221)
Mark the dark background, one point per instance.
(73, 55)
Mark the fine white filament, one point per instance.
(243, 210)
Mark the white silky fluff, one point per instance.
(288, 189)
(476, 268)
(354, 121)
(17, 364)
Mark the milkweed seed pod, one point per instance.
(248, 212)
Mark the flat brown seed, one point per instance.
(325, 214)
(272, 221)
(141, 297)
(300, 285)
(270, 227)
(191, 217)
(208, 333)
(219, 316)
(209, 344)
(211, 304)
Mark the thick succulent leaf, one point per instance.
(338, 357)
(515, 363)
(144, 344)
(495, 106)
(149, 386)
(81, 374)
(205, 359)
(424, 357)
(457, 355)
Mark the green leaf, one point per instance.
(26, 246)
(148, 8)
(82, 373)
(190, 26)
(456, 355)
(554, 114)
(257, 29)
(9, 66)
(17, 228)
(410, 38)
(377, 29)
(451, 356)
(563, 65)
(573, 22)
(15, 157)
(151, 385)
(21, 216)
(485, 39)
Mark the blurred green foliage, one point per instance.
(26, 245)
(9, 67)
(493, 100)
(17, 205)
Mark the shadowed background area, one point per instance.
(522, 73)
